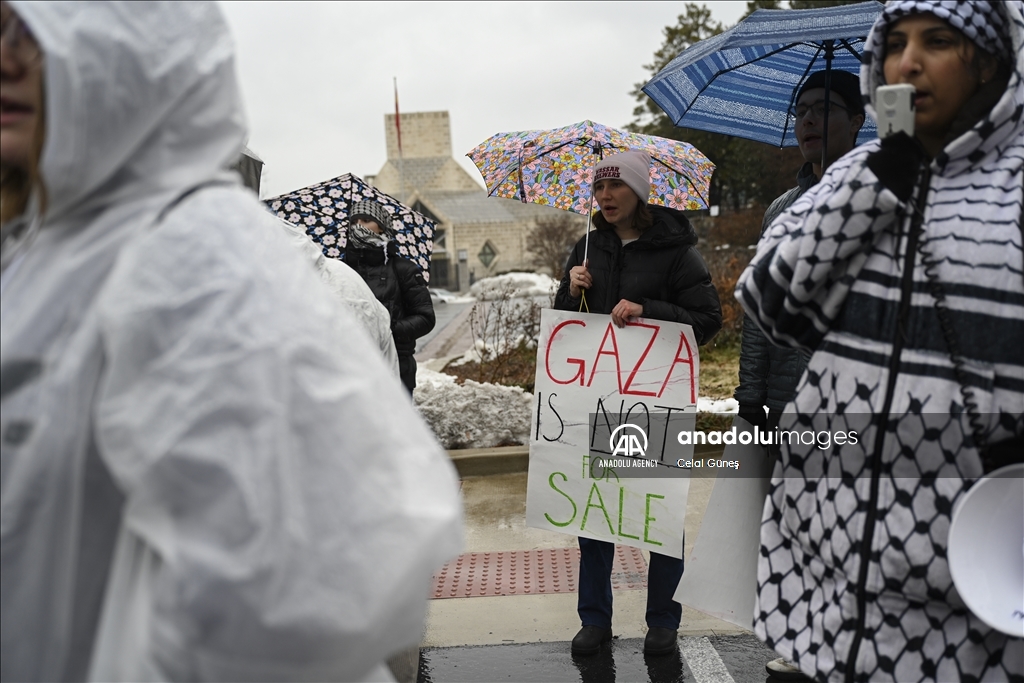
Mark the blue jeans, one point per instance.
(595, 598)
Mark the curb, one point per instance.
(477, 462)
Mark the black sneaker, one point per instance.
(588, 640)
(661, 641)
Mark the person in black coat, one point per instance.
(642, 262)
(395, 281)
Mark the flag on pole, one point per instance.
(398, 120)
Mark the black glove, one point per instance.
(897, 164)
(755, 415)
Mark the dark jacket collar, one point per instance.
(371, 257)
(805, 178)
(671, 229)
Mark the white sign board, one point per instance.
(587, 367)
(721, 571)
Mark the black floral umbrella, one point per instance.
(322, 211)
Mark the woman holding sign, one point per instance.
(901, 271)
(642, 263)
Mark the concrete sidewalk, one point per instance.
(452, 336)
(496, 521)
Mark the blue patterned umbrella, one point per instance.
(744, 81)
(322, 211)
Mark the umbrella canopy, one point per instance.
(744, 82)
(555, 167)
(322, 211)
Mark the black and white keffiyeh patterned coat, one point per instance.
(853, 582)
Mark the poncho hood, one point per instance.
(994, 129)
(141, 98)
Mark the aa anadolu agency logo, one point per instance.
(642, 445)
(628, 440)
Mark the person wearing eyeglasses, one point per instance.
(201, 475)
(769, 373)
(845, 118)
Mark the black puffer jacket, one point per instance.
(769, 373)
(662, 271)
(399, 285)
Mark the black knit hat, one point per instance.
(844, 84)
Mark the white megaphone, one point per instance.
(986, 549)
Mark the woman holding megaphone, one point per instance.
(902, 272)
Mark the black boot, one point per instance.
(660, 641)
(588, 640)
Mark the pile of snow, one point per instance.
(480, 415)
(718, 405)
(443, 296)
(481, 351)
(523, 284)
(472, 415)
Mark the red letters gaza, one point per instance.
(624, 375)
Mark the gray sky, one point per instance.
(317, 76)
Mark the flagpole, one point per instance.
(401, 156)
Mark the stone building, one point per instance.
(477, 235)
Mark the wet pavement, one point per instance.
(710, 659)
(495, 508)
(451, 334)
(525, 637)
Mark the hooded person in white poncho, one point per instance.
(200, 478)
(902, 272)
(350, 289)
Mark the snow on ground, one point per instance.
(480, 415)
(481, 351)
(472, 415)
(443, 296)
(524, 284)
(718, 405)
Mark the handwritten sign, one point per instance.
(587, 368)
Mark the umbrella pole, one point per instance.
(590, 217)
(590, 213)
(829, 47)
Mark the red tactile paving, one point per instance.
(530, 572)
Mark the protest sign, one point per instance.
(589, 374)
(721, 571)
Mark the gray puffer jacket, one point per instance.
(769, 373)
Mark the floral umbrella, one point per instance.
(555, 167)
(322, 210)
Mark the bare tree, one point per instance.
(551, 241)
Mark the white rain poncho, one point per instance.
(352, 290)
(201, 474)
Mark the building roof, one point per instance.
(469, 207)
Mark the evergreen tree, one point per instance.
(747, 173)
